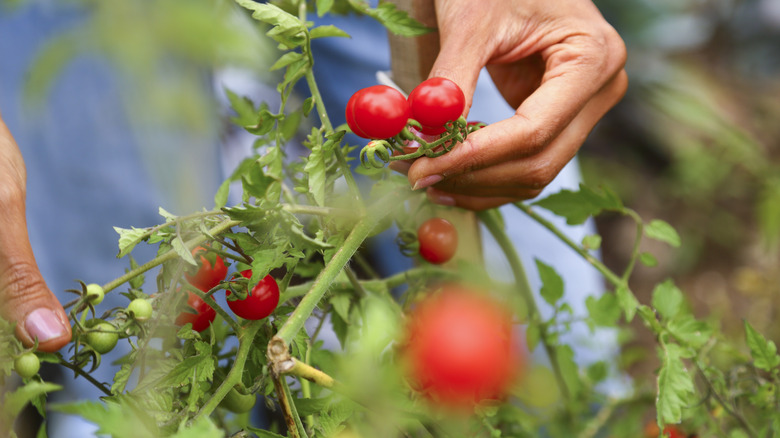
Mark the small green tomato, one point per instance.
(27, 365)
(95, 294)
(102, 337)
(140, 309)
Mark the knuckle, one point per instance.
(20, 283)
(539, 177)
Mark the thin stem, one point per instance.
(85, 375)
(171, 254)
(326, 277)
(601, 418)
(635, 251)
(741, 419)
(210, 301)
(605, 271)
(245, 339)
(525, 290)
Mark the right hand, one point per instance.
(24, 297)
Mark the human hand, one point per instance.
(557, 61)
(24, 296)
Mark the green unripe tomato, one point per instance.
(140, 309)
(238, 403)
(95, 294)
(27, 365)
(102, 337)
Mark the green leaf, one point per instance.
(763, 351)
(552, 283)
(125, 420)
(262, 433)
(577, 207)
(532, 336)
(648, 260)
(662, 231)
(341, 303)
(327, 31)
(396, 21)
(316, 168)
(202, 427)
(287, 29)
(128, 239)
(690, 331)
(627, 301)
(311, 406)
(591, 242)
(675, 385)
(323, 7)
(221, 197)
(569, 369)
(14, 402)
(199, 366)
(667, 299)
(603, 311)
(285, 60)
(182, 251)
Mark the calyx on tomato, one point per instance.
(459, 348)
(211, 269)
(260, 302)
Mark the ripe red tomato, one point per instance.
(459, 348)
(260, 301)
(435, 102)
(377, 112)
(438, 240)
(208, 274)
(203, 314)
(652, 431)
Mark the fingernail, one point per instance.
(43, 324)
(426, 182)
(440, 199)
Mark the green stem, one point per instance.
(326, 277)
(210, 301)
(171, 254)
(84, 374)
(493, 225)
(245, 339)
(605, 271)
(635, 251)
(601, 418)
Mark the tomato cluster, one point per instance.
(459, 348)
(380, 111)
(211, 270)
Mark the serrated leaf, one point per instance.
(181, 249)
(14, 402)
(627, 301)
(667, 299)
(262, 433)
(763, 351)
(675, 385)
(121, 378)
(128, 239)
(202, 427)
(327, 31)
(603, 311)
(169, 217)
(311, 406)
(569, 369)
(662, 231)
(552, 283)
(201, 366)
(689, 330)
(395, 20)
(323, 7)
(341, 303)
(578, 206)
(285, 60)
(221, 197)
(125, 420)
(286, 26)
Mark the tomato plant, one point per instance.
(377, 112)
(460, 347)
(27, 365)
(435, 102)
(438, 240)
(198, 313)
(261, 300)
(211, 269)
(102, 337)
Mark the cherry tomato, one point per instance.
(652, 431)
(140, 309)
(237, 402)
(27, 365)
(459, 348)
(208, 274)
(95, 293)
(435, 102)
(102, 337)
(438, 240)
(260, 301)
(377, 112)
(203, 314)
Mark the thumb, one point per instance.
(24, 297)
